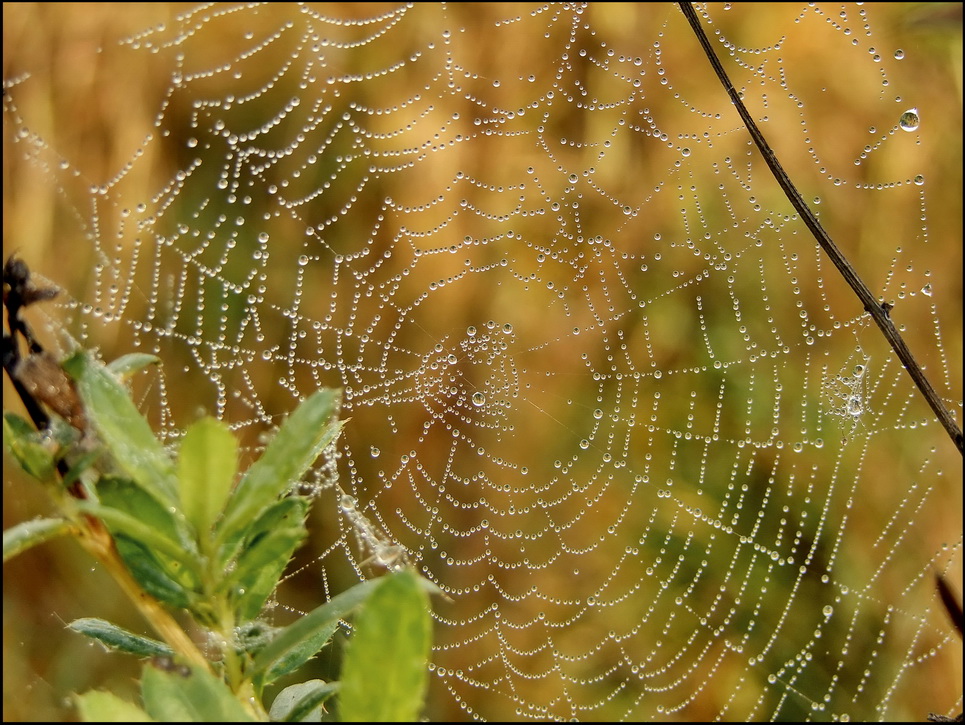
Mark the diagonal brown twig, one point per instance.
(878, 311)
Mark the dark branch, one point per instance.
(878, 311)
(951, 604)
(20, 292)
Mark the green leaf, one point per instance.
(309, 646)
(28, 534)
(126, 366)
(151, 574)
(129, 510)
(299, 441)
(80, 465)
(186, 693)
(271, 541)
(24, 443)
(388, 650)
(129, 524)
(301, 640)
(302, 702)
(207, 464)
(124, 431)
(161, 559)
(118, 638)
(251, 637)
(96, 706)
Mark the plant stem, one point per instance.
(99, 544)
(878, 311)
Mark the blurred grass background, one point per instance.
(94, 108)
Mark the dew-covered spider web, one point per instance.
(603, 388)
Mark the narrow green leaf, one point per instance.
(28, 534)
(301, 640)
(302, 702)
(185, 693)
(159, 528)
(24, 443)
(118, 638)
(206, 471)
(298, 655)
(122, 522)
(156, 550)
(389, 649)
(126, 366)
(299, 441)
(151, 574)
(78, 467)
(263, 558)
(97, 706)
(124, 431)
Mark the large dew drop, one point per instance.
(909, 120)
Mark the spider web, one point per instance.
(602, 386)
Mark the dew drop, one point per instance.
(909, 120)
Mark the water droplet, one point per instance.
(375, 452)
(926, 290)
(478, 399)
(899, 54)
(909, 120)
